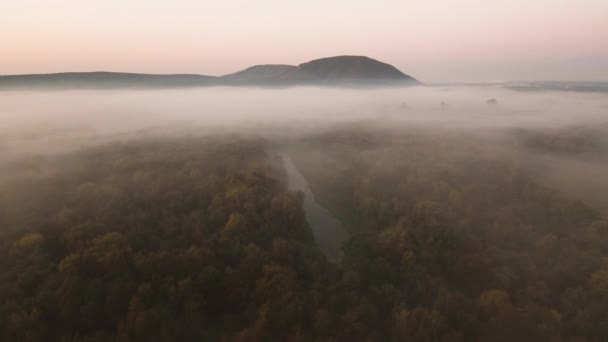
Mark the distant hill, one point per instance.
(103, 79)
(340, 70)
(332, 71)
(353, 69)
(257, 74)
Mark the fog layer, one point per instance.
(562, 135)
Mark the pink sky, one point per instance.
(433, 40)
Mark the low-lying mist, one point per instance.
(561, 135)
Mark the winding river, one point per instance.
(326, 228)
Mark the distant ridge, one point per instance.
(102, 79)
(352, 68)
(257, 74)
(331, 71)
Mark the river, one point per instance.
(326, 228)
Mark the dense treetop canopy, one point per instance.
(197, 239)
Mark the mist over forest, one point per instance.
(466, 213)
(553, 131)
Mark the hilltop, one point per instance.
(333, 71)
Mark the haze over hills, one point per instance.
(325, 71)
(345, 68)
(332, 71)
(102, 79)
(258, 74)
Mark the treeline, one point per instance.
(198, 240)
(184, 240)
(577, 141)
(452, 241)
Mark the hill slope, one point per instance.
(257, 74)
(335, 71)
(339, 70)
(103, 79)
(353, 68)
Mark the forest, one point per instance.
(198, 239)
(304, 171)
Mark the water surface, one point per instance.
(326, 228)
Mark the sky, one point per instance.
(433, 40)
